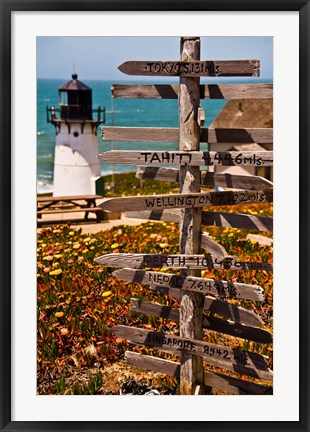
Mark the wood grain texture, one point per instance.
(206, 91)
(191, 303)
(215, 380)
(186, 200)
(209, 135)
(181, 261)
(250, 363)
(205, 286)
(191, 68)
(209, 322)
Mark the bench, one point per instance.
(69, 204)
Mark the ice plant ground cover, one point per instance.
(78, 301)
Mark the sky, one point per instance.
(98, 58)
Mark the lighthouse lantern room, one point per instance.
(76, 163)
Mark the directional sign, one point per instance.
(191, 283)
(203, 199)
(207, 91)
(178, 261)
(216, 380)
(230, 220)
(209, 179)
(194, 158)
(253, 364)
(192, 68)
(209, 322)
(211, 136)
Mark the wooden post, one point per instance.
(191, 310)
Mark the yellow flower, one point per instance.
(58, 255)
(106, 293)
(87, 239)
(114, 245)
(55, 272)
(56, 231)
(48, 258)
(163, 245)
(76, 245)
(71, 233)
(59, 314)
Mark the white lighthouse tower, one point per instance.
(76, 165)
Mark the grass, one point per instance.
(78, 302)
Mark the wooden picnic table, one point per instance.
(68, 204)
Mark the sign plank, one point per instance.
(259, 223)
(230, 220)
(191, 68)
(220, 307)
(207, 91)
(208, 179)
(216, 380)
(209, 322)
(250, 363)
(193, 283)
(171, 215)
(200, 199)
(194, 158)
(212, 247)
(209, 135)
(178, 261)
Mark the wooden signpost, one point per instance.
(188, 208)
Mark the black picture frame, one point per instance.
(7, 7)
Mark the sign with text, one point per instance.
(178, 261)
(217, 355)
(158, 202)
(192, 68)
(194, 158)
(193, 283)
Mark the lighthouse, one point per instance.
(76, 163)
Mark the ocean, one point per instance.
(120, 112)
